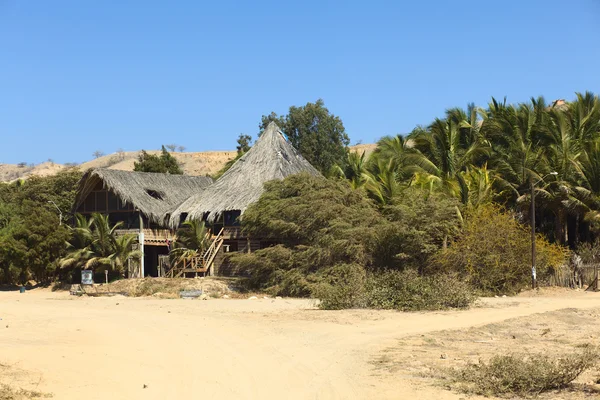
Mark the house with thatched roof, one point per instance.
(140, 201)
(222, 204)
(155, 205)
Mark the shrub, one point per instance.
(524, 374)
(342, 286)
(407, 291)
(493, 253)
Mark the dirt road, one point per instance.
(111, 348)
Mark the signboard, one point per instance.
(87, 277)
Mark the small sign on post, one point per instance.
(87, 277)
(106, 276)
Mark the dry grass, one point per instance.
(16, 384)
(192, 163)
(523, 374)
(9, 393)
(169, 288)
(542, 338)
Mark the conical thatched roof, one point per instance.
(271, 157)
(152, 193)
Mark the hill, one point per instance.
(199, 163)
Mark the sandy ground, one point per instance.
(109, 348)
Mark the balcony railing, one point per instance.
(150, 235)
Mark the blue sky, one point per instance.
(79, 76)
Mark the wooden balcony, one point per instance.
(152, 237)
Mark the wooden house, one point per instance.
(155, 205)
(139, 200)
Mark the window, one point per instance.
(155, 194)
(101, 201)
(232, 218)
(90, 202)
(113, 202)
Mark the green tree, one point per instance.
(316, 133)
(447, 147)
(95, 242)
(31, 234)
(164, 163)
(329, 232)
(355, 170)
(244, 142)
(192, 240)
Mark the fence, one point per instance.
(576, 276)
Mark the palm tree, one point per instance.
(517, 135)
(123, 251)
(79, 246)
(477, 186)
(393, 148)
(355, 170)
(383, 183)
(95, 242)
(192, 240)
(446, 148)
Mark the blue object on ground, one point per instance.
(22, 290)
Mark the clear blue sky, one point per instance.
(78, 76)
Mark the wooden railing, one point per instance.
(149, 234)
(199, 264)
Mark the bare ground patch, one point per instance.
(427, 359)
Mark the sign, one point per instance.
(87, 277)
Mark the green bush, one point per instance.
(518, 374)
(493, 253)
(348, 286)
(340, 287)
(408, 291)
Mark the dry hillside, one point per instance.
(200, 163)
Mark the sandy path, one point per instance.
(223, 349)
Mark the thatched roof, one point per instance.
(271, 157)
(152, 193)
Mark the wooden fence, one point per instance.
(576, 276)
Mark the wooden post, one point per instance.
(141, 240)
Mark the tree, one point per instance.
(355, 170)
(171, 147)
(192, 240)
(94, 243)
(447, 147)
(180, 148)
(31, 238)
(316, 133)
(98, 153)
(165, 163)
(244, 143)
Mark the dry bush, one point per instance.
(9, 393)
(524, 375)
(494, 253)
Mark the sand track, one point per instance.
(224, 349)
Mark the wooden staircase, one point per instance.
(198, 265)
